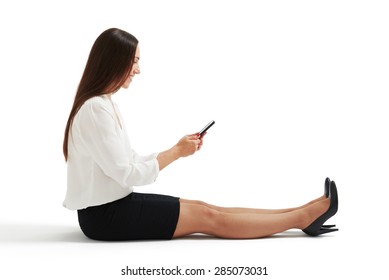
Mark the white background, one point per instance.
(298, 90)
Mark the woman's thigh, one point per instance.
(195, 218)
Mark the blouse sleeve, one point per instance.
(107, 148)
(141, 158)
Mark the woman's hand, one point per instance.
(189, 144)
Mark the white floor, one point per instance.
(58, 251)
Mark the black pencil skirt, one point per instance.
(134, 217)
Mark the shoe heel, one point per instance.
(328, 226)
(326, 230)
(319, 231)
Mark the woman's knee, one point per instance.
(191, 201)
(202, 203)
(217, 221)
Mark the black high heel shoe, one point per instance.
(316, 228)
(327, 184)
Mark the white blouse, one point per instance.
(102, 166)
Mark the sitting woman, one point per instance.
(103, 168)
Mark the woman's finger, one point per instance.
(194, 136)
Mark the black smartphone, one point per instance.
(206, 128)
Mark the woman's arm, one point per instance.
(187, 146)
(95, 126)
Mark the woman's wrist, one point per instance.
(167, 157)
(175, 152)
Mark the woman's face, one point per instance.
(135, 69)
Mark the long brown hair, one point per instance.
(108, 67)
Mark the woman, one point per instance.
(103, 168)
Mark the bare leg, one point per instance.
(197, 218)
(239, 210)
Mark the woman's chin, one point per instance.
(126, 85)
